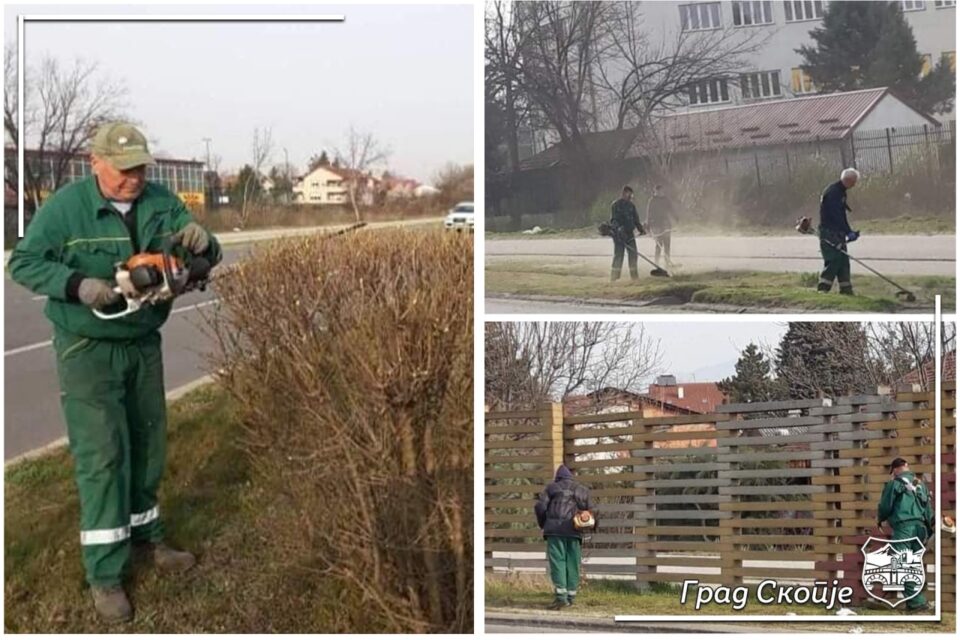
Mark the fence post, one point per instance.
(889, 150)
(551, 419)
(642, 524)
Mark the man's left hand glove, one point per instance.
(852, 236)
(193, 238)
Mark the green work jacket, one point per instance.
(78, 233)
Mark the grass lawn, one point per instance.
(739, 288)
(902, 225)
(606, 598)
(211, 505)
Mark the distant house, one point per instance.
(395, 187)
(665, 398)
(328, 185)
(925, 375)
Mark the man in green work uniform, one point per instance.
(110, 371)
(905, 504)
(556, 508)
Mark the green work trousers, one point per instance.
(564, 556)
(836, 266)
(903, 531)
(113, 401)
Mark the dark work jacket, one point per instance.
(558, 503)
(624, 218)
(833, 212)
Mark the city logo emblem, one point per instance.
(888, 570)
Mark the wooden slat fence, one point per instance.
(784, 490)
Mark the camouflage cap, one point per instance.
(122, 145)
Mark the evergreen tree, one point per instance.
(823, 359)
(318, 161)
(753, 381)
(863, 45)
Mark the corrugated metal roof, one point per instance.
(825, 117)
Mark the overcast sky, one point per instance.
(404, 73)
(708, 351)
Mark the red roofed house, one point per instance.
(925, 375)
(665, 398)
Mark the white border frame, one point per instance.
(936, 617)
(22, 19)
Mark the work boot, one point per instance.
(614, 275)
(171, 560)
(111, 604)
(846, 291)
(926, 607)
(559, 603)
(569, 602)
(634, 276)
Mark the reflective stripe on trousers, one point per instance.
(112, 536)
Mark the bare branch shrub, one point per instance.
(351, 359)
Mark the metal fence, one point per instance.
(784, 490)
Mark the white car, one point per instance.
(460, 217)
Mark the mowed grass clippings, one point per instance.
(607, 598)
(774, 291)
(210, 505)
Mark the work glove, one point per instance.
(853, 235)
(193, 238)
(96, 293)
(641, 230)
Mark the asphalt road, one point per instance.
(524, 305)
(32, 415)
(891, 255)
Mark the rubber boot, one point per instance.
(171, 560)
(112, 604)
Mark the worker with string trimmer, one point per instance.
(835, 233)
(624, 220)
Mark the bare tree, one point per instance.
(531, 362)
(897, 349)
(503, 44)
(261, 149)
(63, 106)
(650, 74)
(361, 153)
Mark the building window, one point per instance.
(762, 84)
(940, 4)
(798, 10)
(749, 13)
(927, 65)
(699, 17)
(912, 5)
(801, 82)
(951, 58)
(709, 92)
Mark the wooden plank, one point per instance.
(771, 423)
(638, 418)
(775, 555)
(516, 459)
(537, 475)
(778, 539)
(769, 473)
(511, 415)
(509, 504)
(774, 523)
(770, 457)
(796, 505)
(779, 573)
(647, 468)
(744, 441)
(783, 490)
(778, 405)
(639, 451)
(517, 444)
(513, 429)
(640, 434)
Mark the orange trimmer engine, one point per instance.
(149, 278)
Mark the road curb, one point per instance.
(59, 443)
(607, 625)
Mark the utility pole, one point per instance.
(211, 194)
(286, 174)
